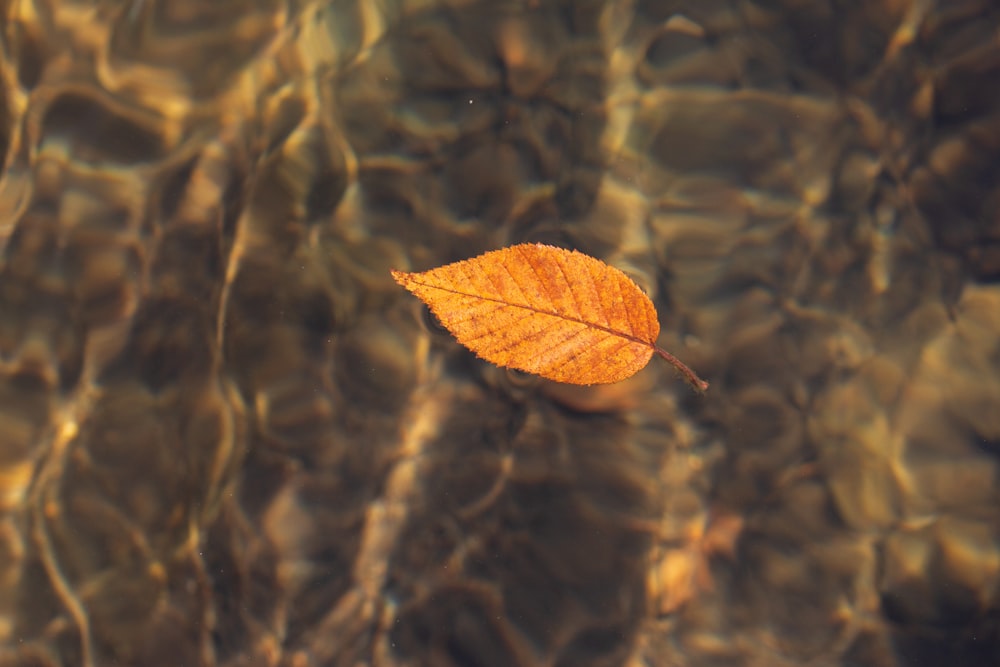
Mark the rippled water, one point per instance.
(227, 437)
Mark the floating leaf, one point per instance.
(557, 313)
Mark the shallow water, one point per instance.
(227, 437)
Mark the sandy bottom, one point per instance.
(227, 437)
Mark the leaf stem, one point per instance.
(700, 385)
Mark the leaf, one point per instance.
(557, 313)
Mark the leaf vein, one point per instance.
(513, 278)
(483, 333)
(569, 286)
(565, 316)
(626, 311)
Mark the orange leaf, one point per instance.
(557, 313)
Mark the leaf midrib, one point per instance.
(540, 311)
